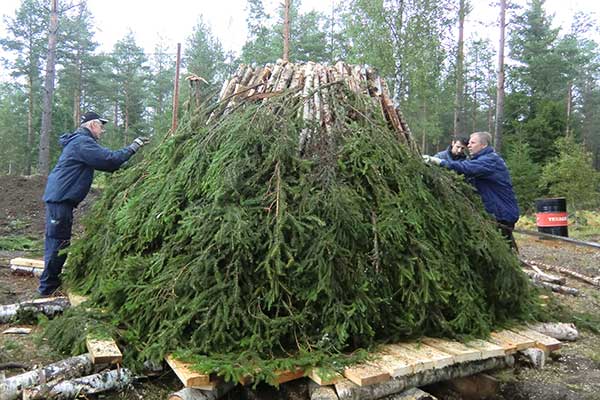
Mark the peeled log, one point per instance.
(11, 388)
(557, 330)
(347, 390)
(198, 394)
(116, 379)
(48, 306)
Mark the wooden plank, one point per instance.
(75, 299)
(543, 342)
(459, 351)
(414, 359)
(27, 262)
(188, 377)
(427, 353)
(487, 349)
(508, 346)
(519, 341)
(324, 377)
(287, 375)
(104, 351)
(366, 374)
(394, 365)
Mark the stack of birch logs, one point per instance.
(311, 82)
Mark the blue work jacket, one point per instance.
(487, 171)
(72, 177)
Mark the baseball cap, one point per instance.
(91, 115)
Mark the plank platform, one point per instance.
(104, 351)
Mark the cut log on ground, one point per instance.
(11, 388)
(197, 394)
(49, 306)
(116, 379)
(556, 288)
(24, 270)
(563, 270)
(347, 390)
(557, 330)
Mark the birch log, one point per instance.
(12, 388)
(116, 379)
(48, 306)
(347, 390)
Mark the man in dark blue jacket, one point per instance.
(69, 183)
(487, 171)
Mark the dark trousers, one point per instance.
(506, 228)
(59, 223)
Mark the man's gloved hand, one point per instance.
(138, 143)
(432, 160)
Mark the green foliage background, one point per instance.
(229, 245)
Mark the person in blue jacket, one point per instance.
(456, 150)
(487, 171)
(69, 183)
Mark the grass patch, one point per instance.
(21, 243)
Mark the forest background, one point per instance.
(547, 124)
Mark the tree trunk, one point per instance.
(500, 84)
(176, 90)
(459, 98)
(48, 93)
(12, 388)
(286, 30)
(569, 104)
(29, 125)
(116, 379)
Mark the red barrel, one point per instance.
(551, 216)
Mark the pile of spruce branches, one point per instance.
(233, 248)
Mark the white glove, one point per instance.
(138, 143)
(432, 160)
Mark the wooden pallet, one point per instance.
(397, 360)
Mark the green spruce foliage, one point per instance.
(230, 247)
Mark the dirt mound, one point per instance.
(21, 205)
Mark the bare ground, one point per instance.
(572, 373)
